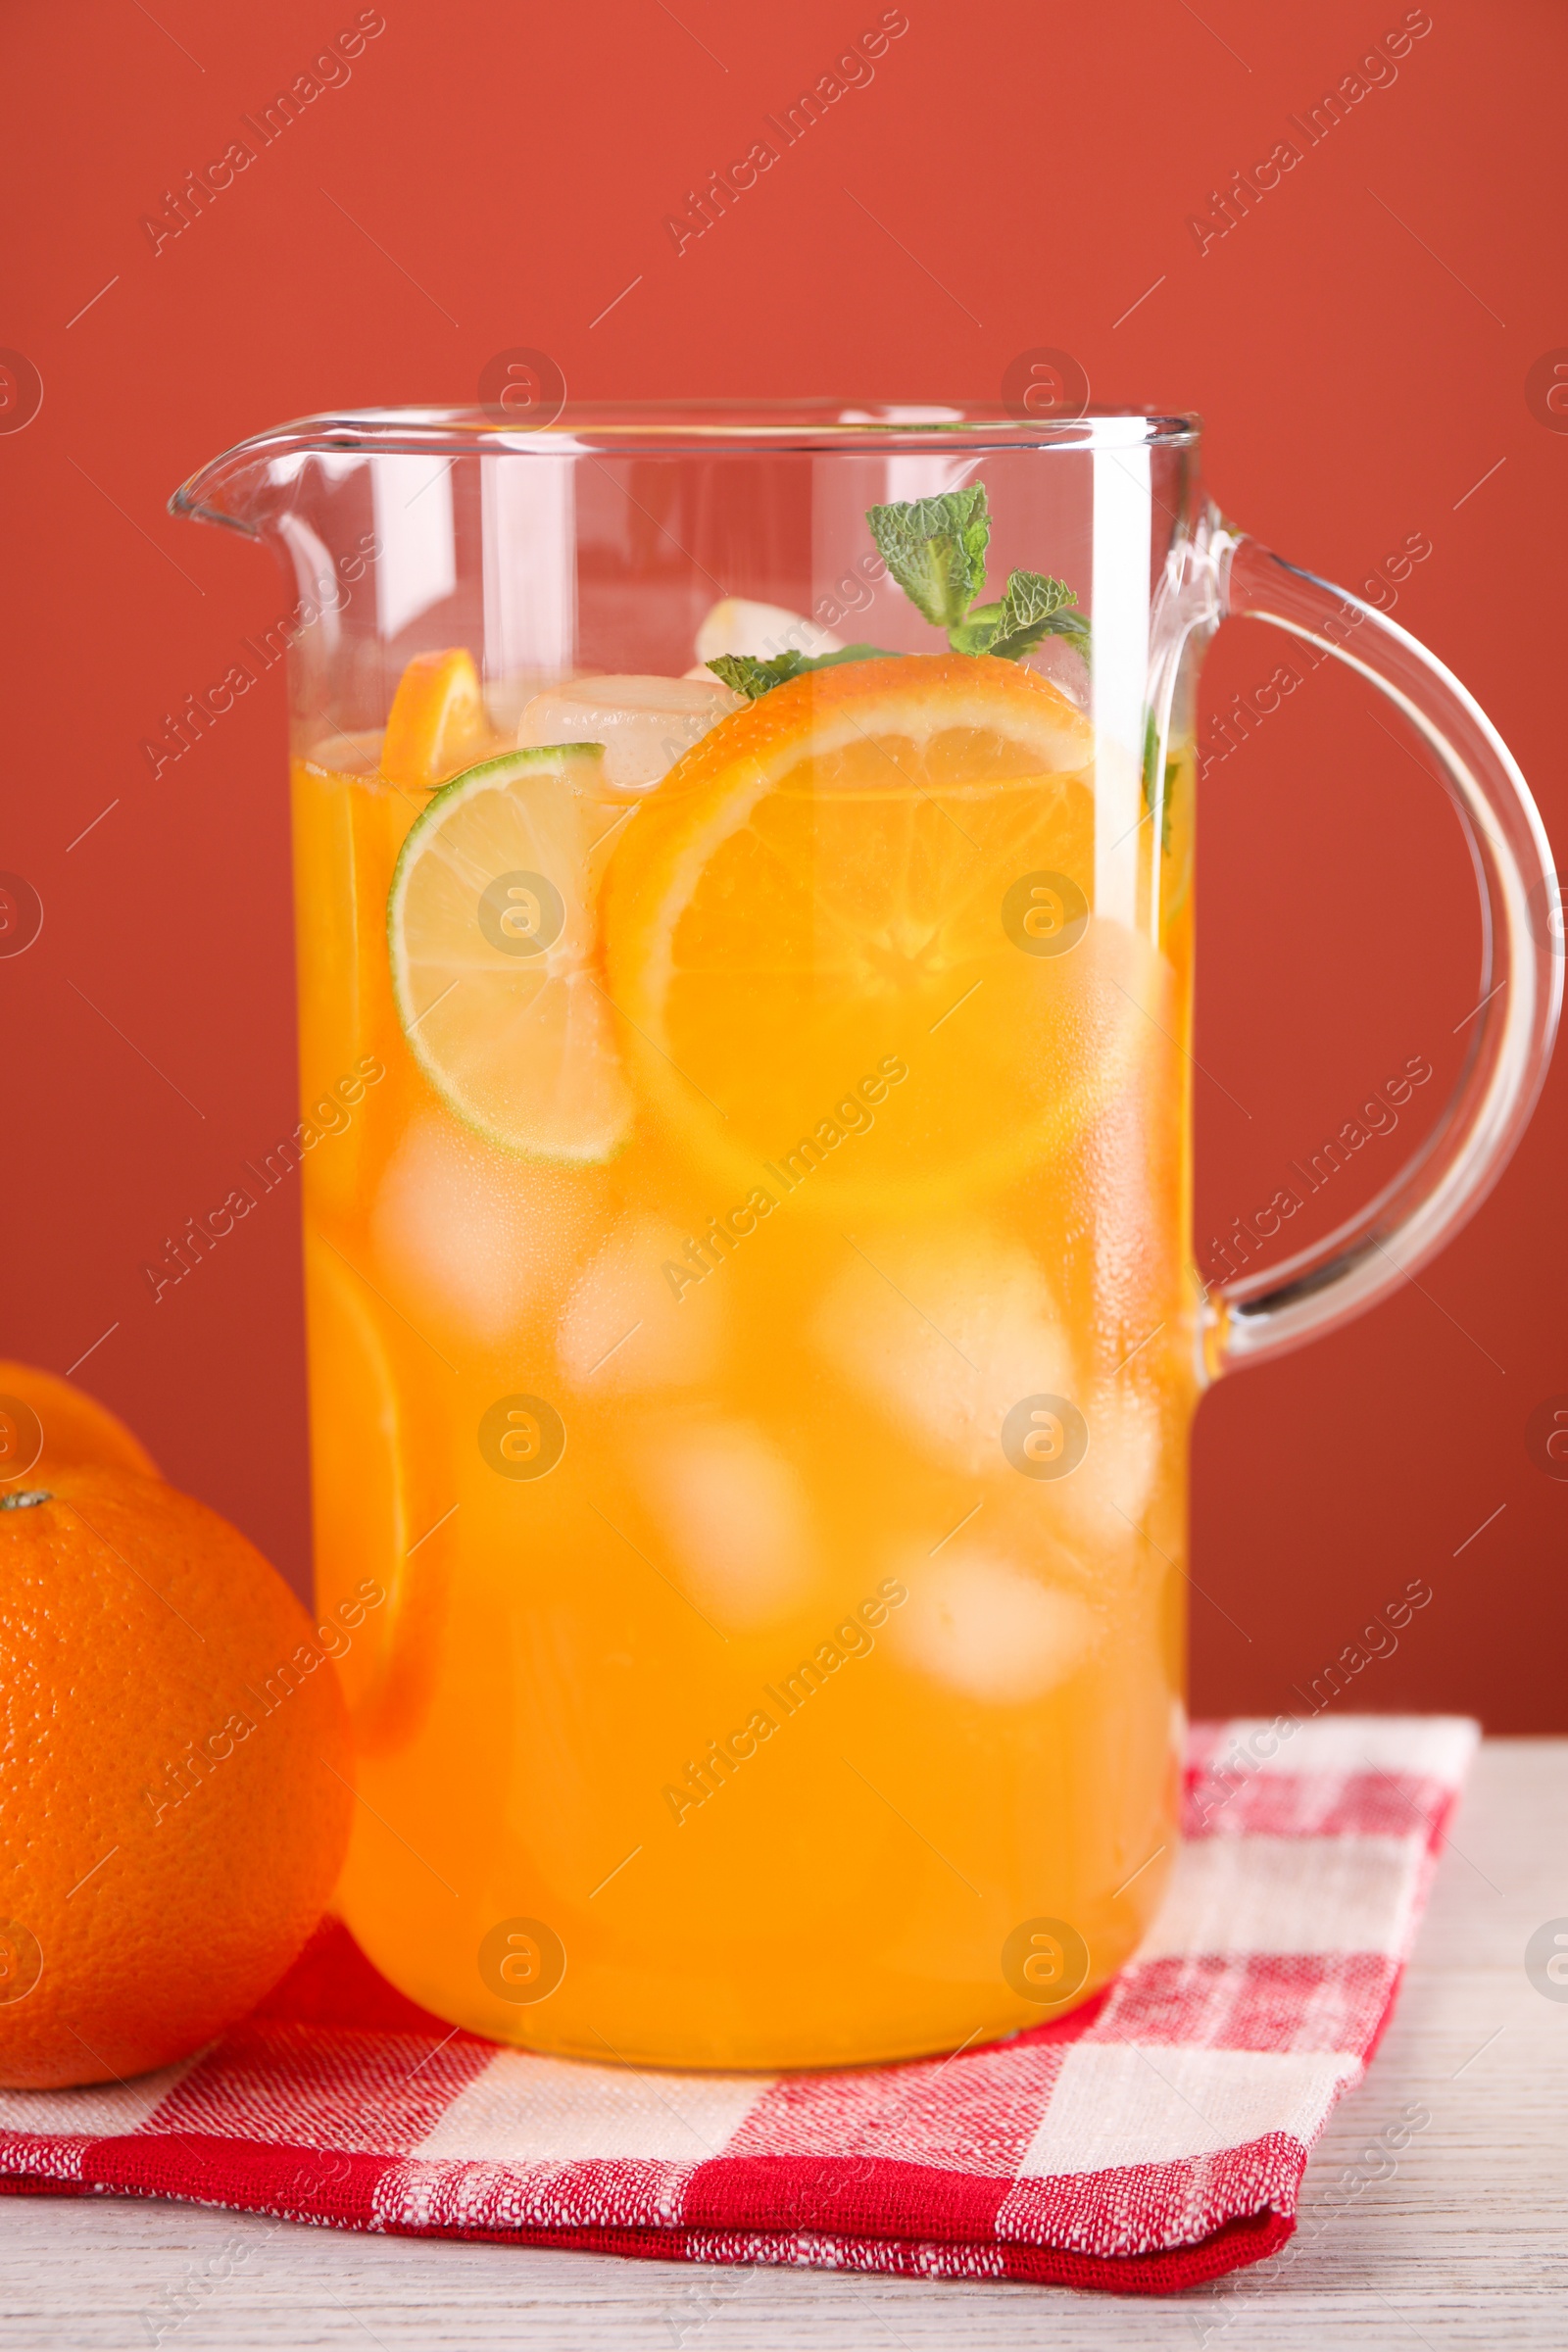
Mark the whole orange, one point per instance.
(175, 1776)
(47, 1425)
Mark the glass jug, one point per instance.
(745, 919)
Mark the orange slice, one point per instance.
(437, 722)
(367, 1528)
(817, 963)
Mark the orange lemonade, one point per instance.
(752, 1349)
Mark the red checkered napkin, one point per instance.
(1154, 2137)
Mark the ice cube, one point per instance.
(1104, 1501)
(737, 626)
(627, 1329)
(474, 1238)
(645, 723)
(984, 1625)
(945, 1334)
(734, 1515)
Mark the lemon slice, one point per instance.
(437, 722)
(823, 936)
(490, 928)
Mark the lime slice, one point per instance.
(491, 931)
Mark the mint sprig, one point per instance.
(744, 674)
(935, 548)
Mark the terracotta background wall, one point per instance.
(1361, 341)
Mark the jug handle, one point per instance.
(1520, 985)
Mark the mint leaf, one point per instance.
(1032, 607)
(1072, 624)
(935, 548)
(744, 674)
(1151, 770)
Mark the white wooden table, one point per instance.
(1465, 2245)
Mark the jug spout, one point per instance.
(320, 493)
(363, 514)
(249, 485)
(408, 531)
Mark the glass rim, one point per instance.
(665, 427)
